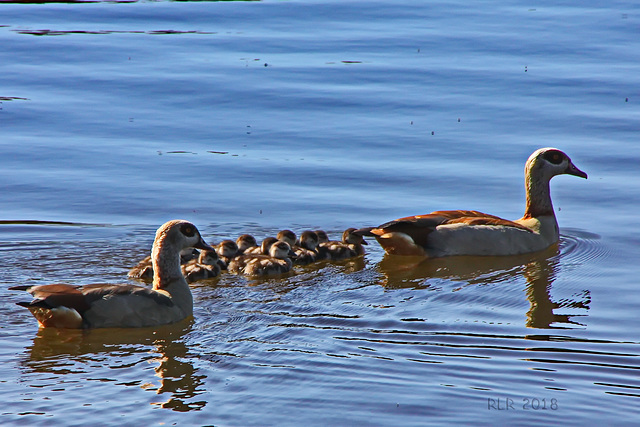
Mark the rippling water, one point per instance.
(258, 116)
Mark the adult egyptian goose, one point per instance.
(205, 267)
(122, 306)
(277, 262)
(461, 232)
(350, 246)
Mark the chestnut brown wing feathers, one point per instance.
(418, 227)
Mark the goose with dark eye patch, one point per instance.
(124, 306)
(277, 262)
(205, 267)
(465, 232)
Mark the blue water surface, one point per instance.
(258, 116)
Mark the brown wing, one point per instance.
(418, 227)
(56, 295)
(488, 221)
(463, 214)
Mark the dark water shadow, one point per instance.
(48, 32)
(65, 352)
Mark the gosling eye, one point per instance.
(554, 156)
(188, 230)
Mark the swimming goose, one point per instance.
(350, 246)
(447, 233)
(144, 269)
(322, 236)
(263, 249)
(307, 249)
(287, 236)
(245, 242)
(277, 262)
(205, 267)
(227, 250)
(304, 247)
(121, 306)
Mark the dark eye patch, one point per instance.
(554, 156)
(188, 230)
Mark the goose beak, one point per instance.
(203, 245)
(573, 170)
(292, 255)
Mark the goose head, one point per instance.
(350, 236)
(287, 236)
(177, 235)
(227, 248)
(546, 163)
(309, 240)
(322, 236)
(541, 166)
(281, 250)
(208, 257)
(246, 241)
(266, 244)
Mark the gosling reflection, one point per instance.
(67, 352)
(539, 270)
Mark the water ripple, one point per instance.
(579, 248)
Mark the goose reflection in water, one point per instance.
(63, 352)
(539, 269)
